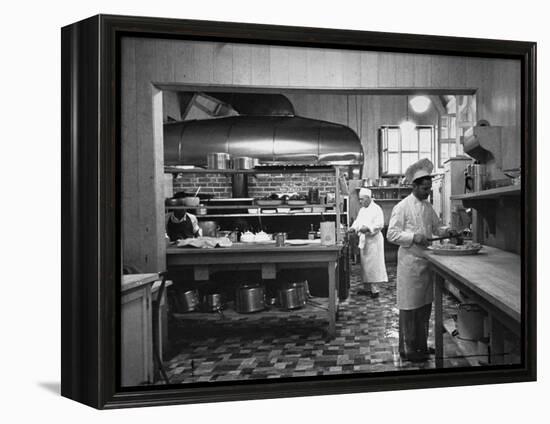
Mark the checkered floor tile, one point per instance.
(366, 341)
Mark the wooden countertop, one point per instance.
(253, 248)
(134, 281)
(493, 274)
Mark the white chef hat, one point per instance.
(365, 192)
(419, 169)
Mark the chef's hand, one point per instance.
(364, 229)
(452, 233)
(420, 239)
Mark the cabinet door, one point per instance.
(136, 338)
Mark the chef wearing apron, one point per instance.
(413, 221)
(182, 225)
(369, 222)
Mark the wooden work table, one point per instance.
(266, 257)
(492, 279)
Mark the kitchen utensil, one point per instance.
(313, 195)
(212, 302)
(470, 320)
(209, 228)
(303, 290)
(218, 160)
(201, 210)
(292, 202)
(189, 301)
(197, 192)
(289, 298)
(249, 298)
(269, 202)
(191, 201)
(280, 239)
(171, 202)
(245, 162)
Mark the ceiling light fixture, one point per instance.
(420, 104)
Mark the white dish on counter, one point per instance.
(283, 210)
(259, 242)
(302, 242)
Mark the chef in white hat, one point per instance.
(369, 222)
(413, 221)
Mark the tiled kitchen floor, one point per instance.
(366, 341)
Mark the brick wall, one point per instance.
(259, 185)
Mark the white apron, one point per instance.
(371, 245)
(414, 281)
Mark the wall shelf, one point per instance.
(494, 193)
(486, 202)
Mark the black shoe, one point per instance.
(363, 292)
(374, 295)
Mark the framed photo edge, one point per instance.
(90, 182)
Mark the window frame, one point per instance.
(382, 148)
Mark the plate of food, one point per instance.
(449, 249)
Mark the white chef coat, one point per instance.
(373, 266)
(414, 282)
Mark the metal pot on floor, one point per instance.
(293, 295)
(212, 302)
(470, 322)
(189, 301)
(249, 298)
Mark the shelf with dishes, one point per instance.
(303, 202)
(255, 210)
(390, 193)
(236, 215)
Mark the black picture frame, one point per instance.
(91, 207)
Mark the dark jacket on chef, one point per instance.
(182, 225)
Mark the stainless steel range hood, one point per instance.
(271, 139)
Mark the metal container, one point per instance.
(249, 298)
(218, 160)
(209, 228)
(212, 302)
(280, 239)
(303, 290)
(189, 301)
(245, 162)
(470, 321)
(290, 298)
(479, 175)
(313, 195)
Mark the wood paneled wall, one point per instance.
(362, 113)
(149, 61)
